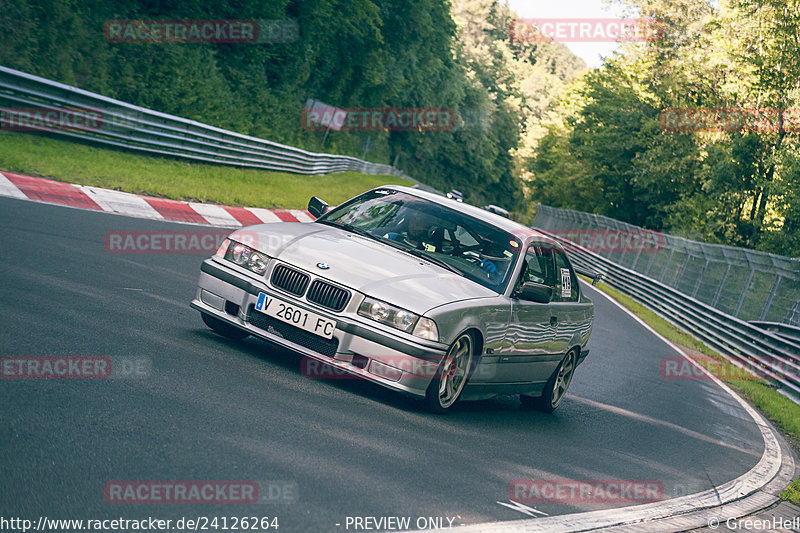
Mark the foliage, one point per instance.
(349, 54)
(535, 125)
(613, 155)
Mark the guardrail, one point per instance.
(747, 284)
(759, 351)
(115, 123)
(784, 330)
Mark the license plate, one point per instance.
(286, 312)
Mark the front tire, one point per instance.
(223, 328)
(451, 376)
(556, 387)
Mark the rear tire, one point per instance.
(451, 376)
(556, 387)
(223, 328)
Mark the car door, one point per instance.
(530, 353)
(570, 314)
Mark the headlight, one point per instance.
(404, 320)
(388, 314)
(375, 310)
(240, 254)
(246, 257)
(401, 319)
(257, 263)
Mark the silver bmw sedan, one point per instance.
(431, 297)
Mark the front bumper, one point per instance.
(358, 348)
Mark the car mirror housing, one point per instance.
(317, 207)
(535, 292)
(595, 276)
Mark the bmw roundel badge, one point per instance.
(323, 266)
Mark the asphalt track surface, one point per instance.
(213, 409)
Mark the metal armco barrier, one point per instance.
(747, 284)
(761, 352)
(784, 330)
(124, 125)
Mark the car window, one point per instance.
(566, 289)
(472, 247)
(369, 215)
(539, 265)
(463, 236)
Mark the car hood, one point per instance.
(362, 264)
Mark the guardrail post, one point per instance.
(793, 316)
(744, 292)
(768, 303)
(700, 279)
(669, 260)
(721, 284)
(683, 266)
(638, 256)
(650, 263)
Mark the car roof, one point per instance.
(524, 233)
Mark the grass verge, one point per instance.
(782, 411)
(35, 155)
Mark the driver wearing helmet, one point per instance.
(423, 232)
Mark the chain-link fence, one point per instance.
(747, 284)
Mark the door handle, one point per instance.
(553, 320)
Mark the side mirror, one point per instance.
(535, 292)
(317, 207)
(595, 276)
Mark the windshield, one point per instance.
(474, 249)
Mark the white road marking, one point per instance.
(301, 215)
(265, 215)
(703, 505)
(9, 189)
(516, 506)
(122, 203)
(215, 215)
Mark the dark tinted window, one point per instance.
(540, 267)
(474, 248)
